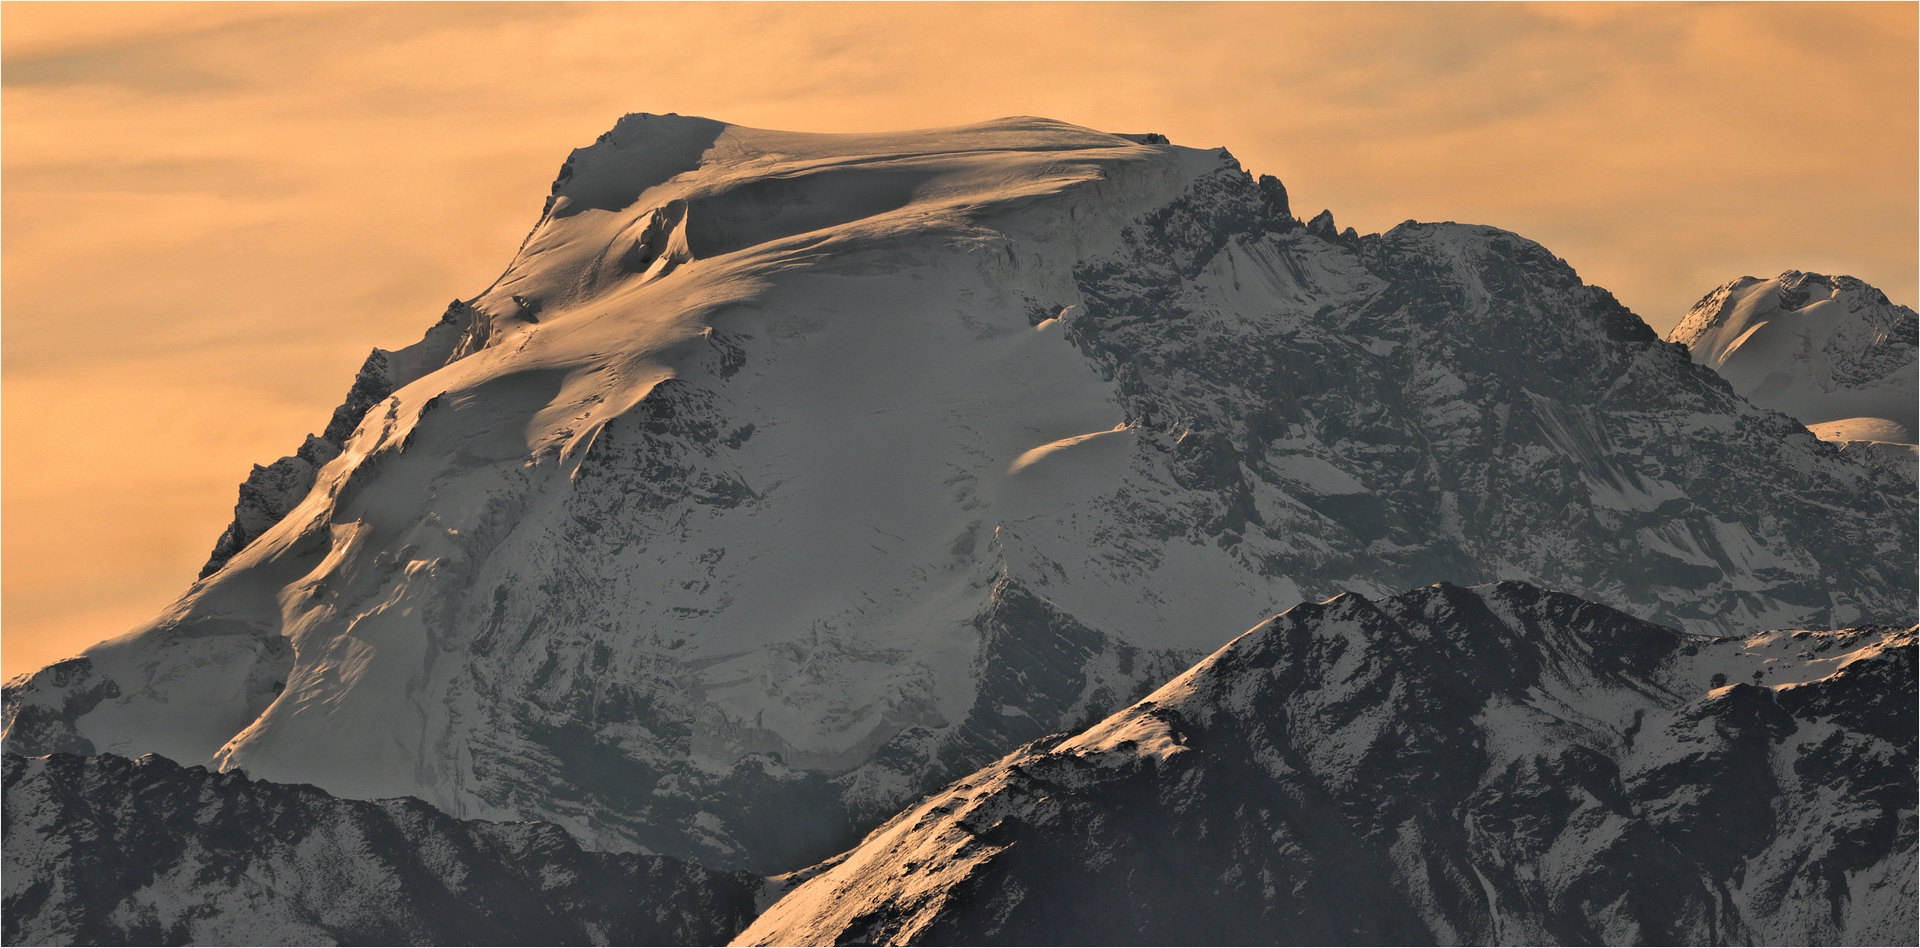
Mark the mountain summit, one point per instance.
(783, 477)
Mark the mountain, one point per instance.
(105, 850)
(1495, 765)
(782, 478)
(1833, 352)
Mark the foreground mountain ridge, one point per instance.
(1498, 765)
(782, 478)
(105, 850)
(1502, 765)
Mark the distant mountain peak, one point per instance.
(1832, 351)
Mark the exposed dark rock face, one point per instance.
(49, 727)
(1499, 765)
(1039, 666)
(1446, 402)
(106, 850)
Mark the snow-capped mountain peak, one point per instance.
(1833, 352)
(782, 477)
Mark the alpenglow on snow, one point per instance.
(783, 477)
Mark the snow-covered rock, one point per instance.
(1495, 765)
(109, 851)
(783, 477)
(1833, 352)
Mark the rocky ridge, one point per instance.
(271, 491)
(1497, 765)
(106, 850)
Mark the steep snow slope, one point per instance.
(105, 850)
(1498, 765)
(1833, 352)
(782, 477)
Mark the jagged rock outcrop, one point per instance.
(1446, 401)
(106, 850)
(1497, 765)
(785, 477)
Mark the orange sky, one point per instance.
(211, 212)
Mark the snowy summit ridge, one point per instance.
(783, 477)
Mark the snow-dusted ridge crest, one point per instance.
(1496, 765)
(781, 478)
(109, 851)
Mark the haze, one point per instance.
(212, 212)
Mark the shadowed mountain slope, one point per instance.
(1497, 765)
(105, 850)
